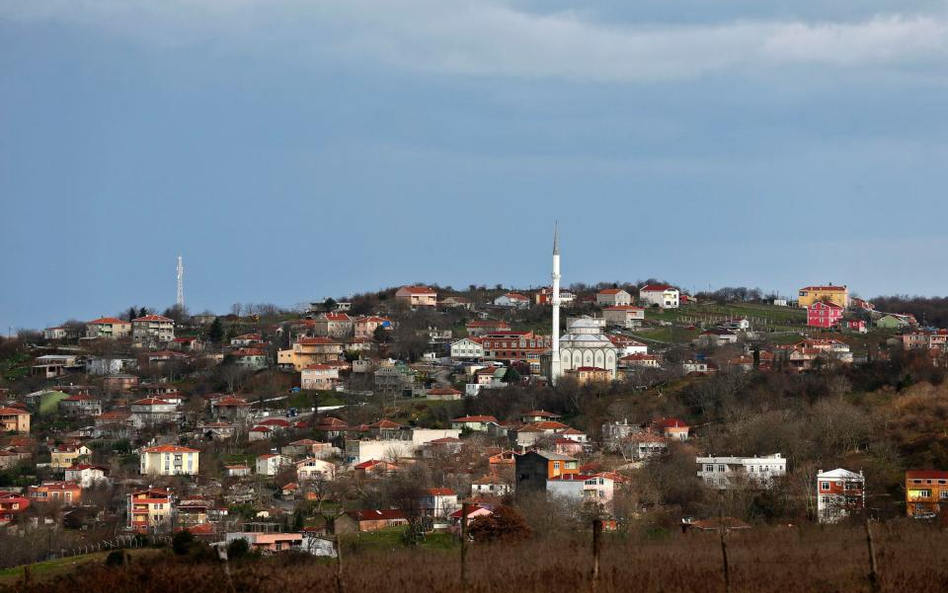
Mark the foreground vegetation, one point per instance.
(911, 557)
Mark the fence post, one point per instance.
(340, 585)
(464, 511)
(874, 582)
(727, 573)
(597, 551)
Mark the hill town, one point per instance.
(409, 414)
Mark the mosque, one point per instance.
(584, 345)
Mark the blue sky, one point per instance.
(294, 149)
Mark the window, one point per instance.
(722, 468)
(709, 468)
(824, 486)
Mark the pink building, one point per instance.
(821, 314)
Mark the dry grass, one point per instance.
(779, 560)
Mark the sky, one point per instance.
(292, 150)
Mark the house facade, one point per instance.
(725, 473)
(840, 493)
(824, 314)
(926, 493)
(660, 295)
(108, 328)
(838, 295)
(613, 297)
(416, 296)
(152, 330)
(169, 460)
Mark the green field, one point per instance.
(62, 566)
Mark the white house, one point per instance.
(170, 460)
(86, 475)
(270, 464)
(513, 300)
(839, 493)
(611, 297)
(314, 469)
(467, 348)
(725, 473)
(489, 485)
(595, 488)
(360, 451)
(438, 502)
(661, 295)
(319, 376)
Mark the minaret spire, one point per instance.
(555, 369)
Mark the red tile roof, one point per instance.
(656, 288)
(475, 419)
(153, 318)
(169, 449)
(107, 321)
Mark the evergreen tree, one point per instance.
(132, 314)
(142, 312)
(216, 332)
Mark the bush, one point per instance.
(115, 558)
(181, 542)
(239, 548)
(505, 524)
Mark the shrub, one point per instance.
(181, 542)
(505, 524)
(115, 558)
(239, 548)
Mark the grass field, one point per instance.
(42, 571)
(776, 559)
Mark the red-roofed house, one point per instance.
(416, 296)
(474, 423)
(834, 294)
(824, 314)
(108, 327)
(363, 520)
(170, 460)
(334, 325)
(438, 502)
(11, 504)
(659, 295)
(513, 300)
(443, 394)
(374, 467)
(68, 492)
(14, 420)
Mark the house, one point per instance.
(364, 520)
(740, 324)
(66, 492)
(239, 470)
(152, 410)
(640, 361)
(319, 376)
(416, 296)
(50, 366)
(596, 489)
(67, 454)
(725, 473)
(308, 448)
(457, 302)
(513, 300)
(14, 420)
(364, 327)
(489, 485)
(438, 502)
(268, 542)
(443, 447)
(216, 430)
(55, 333)
(334, 325)
(473, 512)
(535, 468)
(716, 337)
(108, 365)
(694, 366)
(482, 327)
(515, 345)
(640, 446)
(306, 351)
(838, 295)
(585, 375)
(443, 394)
(169, 460)
(11, 504)
(626, 346)
(108, 328)
(627, 316)
(659, 295)
(895, 321)
(230, 408)
(87, 475)
(467, 349)
(474, 423)
(670, 428)
(839, 494)
(824, 314)
(270, 464)
(79, 406)
(358, 451)
(150, 510)
(544, 296)
(394, 380)
(925, 340)
(861, 305)
(119, 383)
(613, 297)
(854, 325)
(152, 330)
(925, 493)
(741, 364)
(252, 359)
(251, 340)
(374, 467)
(312, 469)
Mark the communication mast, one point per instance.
(180, 301)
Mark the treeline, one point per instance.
(927, 310)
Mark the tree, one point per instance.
(511, 376)
(329, 304)
(216, 332)
(142, 312)
(132, 313)
(505, 524)
(181, 542)
(238, 548)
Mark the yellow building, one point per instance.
(150, 510)
(309, 351)
(66, 455)
(925, 492)
(14, 420)
(833, 294)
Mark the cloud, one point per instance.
(496, 38)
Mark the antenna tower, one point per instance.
(180, 301)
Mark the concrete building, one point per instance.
(170, 460)
(725, 473)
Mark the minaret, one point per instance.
(555, 369)
(180, 300)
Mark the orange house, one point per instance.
(925, 493)
(534, 468)
(68, 492)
